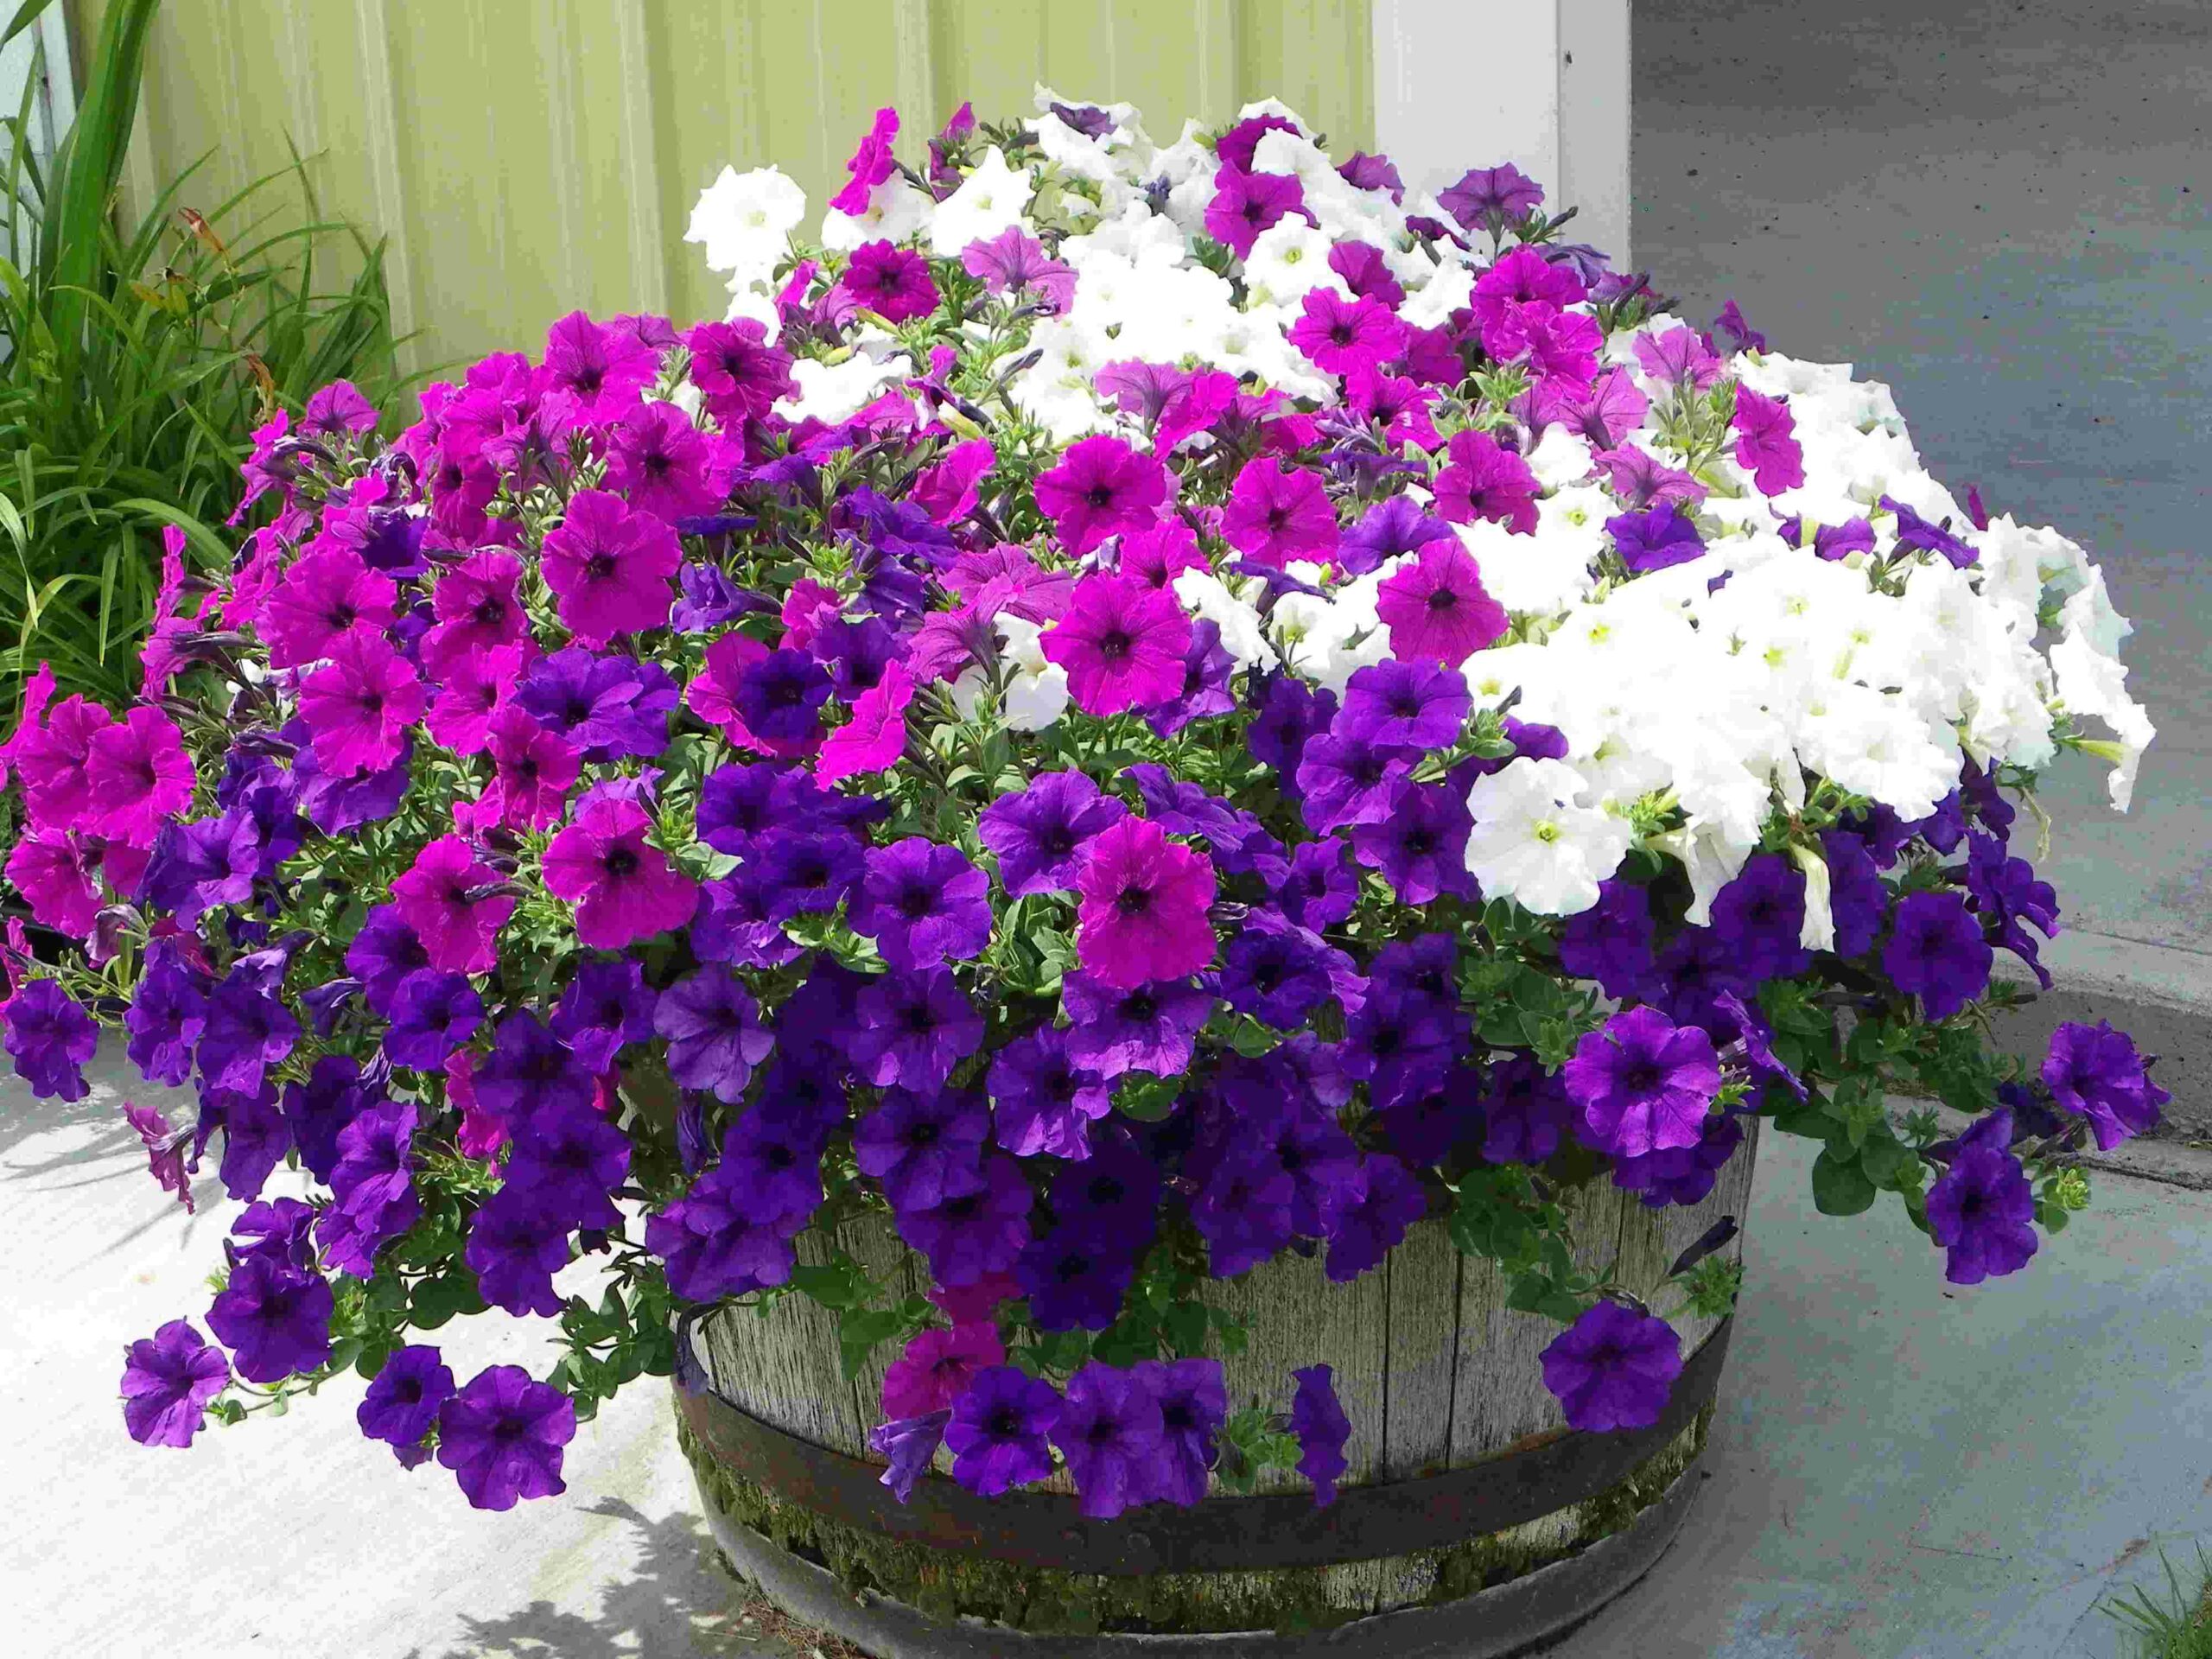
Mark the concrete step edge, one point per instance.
(2159, 994)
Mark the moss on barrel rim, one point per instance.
(947, 1586)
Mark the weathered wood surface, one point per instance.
(1434, 1369)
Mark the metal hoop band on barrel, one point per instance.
(1222, 1534)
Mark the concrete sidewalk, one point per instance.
(1900, 1469)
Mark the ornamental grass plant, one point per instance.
(136, 358)
(1128, 710)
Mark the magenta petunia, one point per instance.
(948, 490)
(1482, 479)
(1278, 512)
(609, 567)
(937, 1367)
(322, 597)
(1436, 608)
(471, 693)
(359, 706)
(1143, 914)
(664, 465)
(739, 372)
(1766, 442)
(1339, 335)
(1122, 643)
(871, 165)
(1013, 261)
(442, 898)
(605, 368)
(892, 282)
(49, 750)
(876, 736)
(1102, 487)
(138, 774)
(534, 770)
(1244, 204)
(56, 876)
(477, 607)
(623, 887)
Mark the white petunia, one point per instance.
(1289, 258)
(1205, 594)
(896, 211)
(1535, 843)
(834, 391)
(2092, 684)
(1037, 692)
(990, 200)
(744, 219)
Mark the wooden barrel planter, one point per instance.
(1471, 1521)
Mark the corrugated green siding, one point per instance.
(524, 157)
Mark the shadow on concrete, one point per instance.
(677, 1598)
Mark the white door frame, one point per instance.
(1542, 84)
(53, 105)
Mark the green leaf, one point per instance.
(860, 1332)
(1885, 1160)
(1185, 1325)
(1839, 1188)
(437, 1300)
(26, 15)
(835, 1285)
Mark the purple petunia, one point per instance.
(404, 1398)
(1642, 1083)
(1759, 916)
(1421, 846)
(515, 1248)
(908, 1444)
(1040, 832)
(51, 1040)
(969, 1235)
(1322, 1429)
(2094, 1070)
(1001, 1431)
(911, 1029)
(432, 1014)
(1374, 1219)
(1611, 942)
(274, 1319)
(1045, 1100)
(502, 1436)
(1613, 1368)
(607, 1007)
(1193, 1401)
(1148, 1027)
(567, 1160)
(1982, 1208)
(1109, 1431)
(1404, 705)
(714, 1031)
(922, 903)
(923, 1147)
(1936, 952)
(168, 1380)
